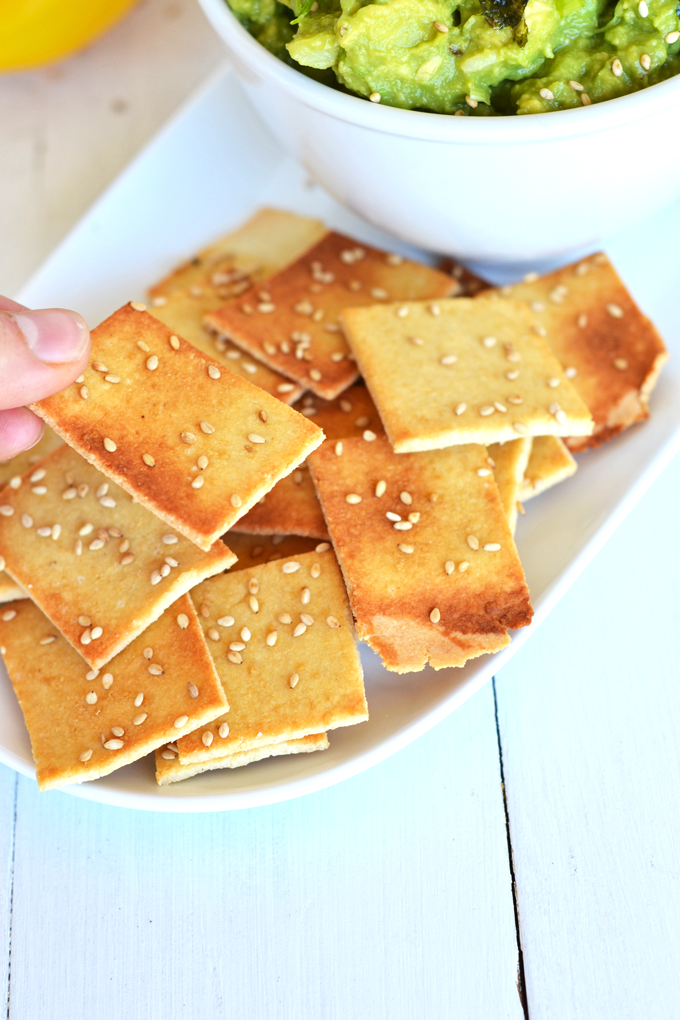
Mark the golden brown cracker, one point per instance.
(464, 370)
(10, 591)
(263, 245)
(611, 351)
(509, 462)
(169, 769)
(100, 565)
(85, 723)
(196, 445)
(283, 679)
(430, 565)
(252, 550)
(550, 462)
(290, 321)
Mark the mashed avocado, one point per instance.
(474, 57)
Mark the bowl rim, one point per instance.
(434, 127)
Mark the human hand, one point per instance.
(41, 352)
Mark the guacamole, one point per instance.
(474, 57)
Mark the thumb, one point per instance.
(41, 352)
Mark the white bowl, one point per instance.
(498, 190)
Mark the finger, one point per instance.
(41, 352)
(7, 305)
(20, 429)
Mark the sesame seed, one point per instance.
(181, 721)
(2, 562)
(473, 542)
(499, 407)
(99, 366)
(322, 547)
(110, 445)
(402, 525)
(107, 681)
(113, 745)
(138, 306)
(46, 532)
(352, 498)
(96, 633)
(174, 343)
(620, 363)
(643, 9)
(92, 674)
(520, 428)
(489, 341)
(645, 60)
(472, 103)
(148, 653)
(483, 472)
(284, 618)
(8, 615)
(168, 754)
(226, 621)
(290, 567)
(15, 482)
(155, 669)
(245, 634)
(253, 437)
(546, 94)
(391, 516)
(235, 657)
(305, 594)
(83, 490)
(415, 340)
(117, 731)
(214, 372)
(617, 67)
(84, 621)
(236, 646)
(561, 417)
(585, 99)
(315, 374)
(236, 501)
(143, 347)
(214, 634)
(491, 547)
(338, 448)
(449, 566)
(333, 622)
(197, 483)
(27, 520)
(405, 548)
(6, 510)
(86, 755)
(448, 359)
(148, 460)
(374, 97)
(615, 311)
(486, 410)
(435, 615)
(223, 730)
(91, 698)
(38, 475)
(48, 640)
(461, 408)
(671, 38)
(254, 604)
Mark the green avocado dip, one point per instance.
(474, 57)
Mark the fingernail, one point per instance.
(53, 334)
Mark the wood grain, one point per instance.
(385, 897)
(590, 713)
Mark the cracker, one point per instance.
(292, 506)
(174, 421)
(263, 245)
(12, 470)
(71, 718)
(290, 322)
(254, 549)
(444, 582)
(102, 557)
(509, 464)
(610, 350)
(550, 462)
(472, 373)
(169, 769)
(257, 676)
(10, 591)
(468, 282)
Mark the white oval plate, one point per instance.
(206, 172)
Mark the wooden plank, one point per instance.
(589, 716)
(8, 783)
(385, 897)
(70, 128)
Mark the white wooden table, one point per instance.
(389, 897)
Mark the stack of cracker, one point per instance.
(382, 504)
